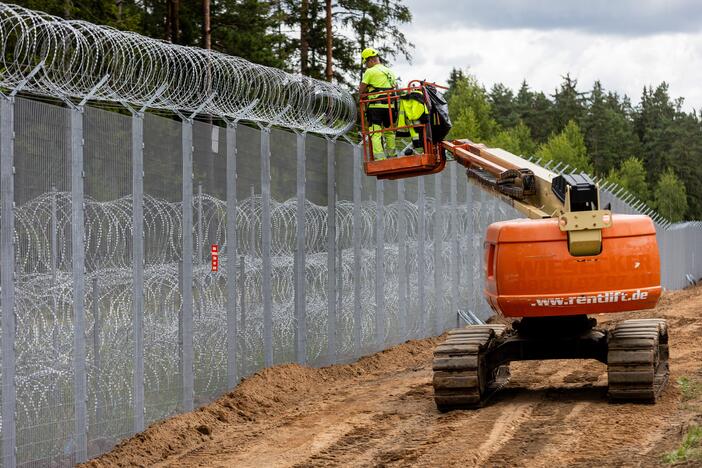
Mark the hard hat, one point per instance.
(368, 53)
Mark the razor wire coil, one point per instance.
(77, 59)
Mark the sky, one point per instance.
(626, 44)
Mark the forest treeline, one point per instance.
(317, 38)
(652, 148)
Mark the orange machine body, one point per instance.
(531, 273)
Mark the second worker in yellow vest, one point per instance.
(381, 113)
(414, 114)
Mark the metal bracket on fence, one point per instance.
(202, 105)
(351, 142)
(151, 100)
(691, 280)
(26, 79)
(93, 90)
(272, 120)
(239, 115)
(468, 317)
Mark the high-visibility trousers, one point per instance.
(383, 142)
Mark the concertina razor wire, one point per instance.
(77, 59)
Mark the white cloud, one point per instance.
(621, 17)
(541, 56)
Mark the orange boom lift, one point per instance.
(569, 259)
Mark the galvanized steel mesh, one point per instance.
(402, 266)
(441, 214)
(78, 59)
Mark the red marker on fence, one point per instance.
(214, 251)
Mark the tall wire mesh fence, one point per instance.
(319, 265)
(381, 245)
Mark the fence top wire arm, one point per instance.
(144, 72)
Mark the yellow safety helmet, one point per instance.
(368, 53)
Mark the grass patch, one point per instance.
(689, 448)
(690, 389)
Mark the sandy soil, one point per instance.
(379, 411)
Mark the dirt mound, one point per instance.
(379, 411)
(266, 393)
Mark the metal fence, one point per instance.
(116, 319)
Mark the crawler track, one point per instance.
(461, 377)
(638, 360)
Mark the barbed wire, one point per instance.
(50, 56)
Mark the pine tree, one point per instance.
(632, 176)
(609, 133)
(535, 110)
(686, 159)
(376, 23)
(470, 111)
(504, 110)
(652, 123)
(670, 196)
(516, 140)
(567, 147)
(568, 104)
(123, 14)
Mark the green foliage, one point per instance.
(535, 110)
(503, 109)
(609, 133)
(690, 389)
(670, 196)
(689, 449)
(632, 176)
(375, 23)
(516, 140)
(567, 147)
(568, 104)
(127, 14)
(470, 110)
(246, 28)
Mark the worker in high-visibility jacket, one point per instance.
(414, 114)
(380, 114)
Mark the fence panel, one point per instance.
(318, 264)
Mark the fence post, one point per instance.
(200, 227)
(331, 252)
(138, 266)
(266, 246)
(483, 214)
(300, 275)
(187, 284)
(339, 285)
(379, 265)
(54, 266)
(7, 284)
(402, 273)
(470, 250)
(438, 254)
(421, 257)
(96, 350)
(232, 366)
(78, 253)
(455, 256)
(242, 308)
(357, 160)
